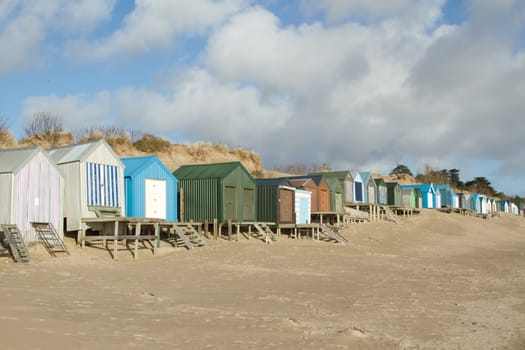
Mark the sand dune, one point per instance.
(436, 281)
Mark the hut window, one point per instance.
(102, 185)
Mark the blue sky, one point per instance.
(354, 83)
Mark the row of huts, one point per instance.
(65, 184)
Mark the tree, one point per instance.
(44, 123)
(401, 169)
(480, 185)
(453, 178)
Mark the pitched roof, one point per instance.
(281, 181)
(77, 152)
(135, 164)
(207, 171)
(13, 159)
(341, 174)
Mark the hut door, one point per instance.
(248, 204)
(358, 191)
(155, 199)
(230, 203)
(302, 208)
(371, 194)
(339, 203)
(286, 202)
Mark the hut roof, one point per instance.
(207, 171)
(300, 182)
(272, 182)
(13, 159)
(78, 152)
(135, 164)
(341, 175)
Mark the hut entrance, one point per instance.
(248, 199)
(286, 199)
(230, 203)
(155, 198)
(358, 191)
(338, 203)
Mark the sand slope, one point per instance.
(437, 281)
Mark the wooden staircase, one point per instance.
(16, 244)
(187, 236)
(390, 215)
(50, 238)
(331, 233)
(265, 233)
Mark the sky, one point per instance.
(356, 84)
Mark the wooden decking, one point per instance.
(121, 229)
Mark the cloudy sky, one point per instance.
(357, 84)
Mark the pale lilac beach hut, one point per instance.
(31, 190)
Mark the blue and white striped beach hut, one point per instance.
(93, 179)
(150, 188)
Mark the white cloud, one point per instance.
(155, 24)
(76, 111)
(202, 108)
(25, 26)
(368, 9)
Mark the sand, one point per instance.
(436, 281)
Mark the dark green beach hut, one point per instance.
(222, 191)
(336, 195)
(393, 193)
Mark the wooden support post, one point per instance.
(115, 242)
(137, 233)
(157, 234)
(229, 229)
(249, 231)
(215, 228)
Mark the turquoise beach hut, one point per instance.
(150, 189)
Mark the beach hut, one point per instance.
(336, 195)
(275, 201)
(437, 199)
(503, 206)
(320, 199)
(150, 189)
(303, 206)
(222, 191)
(427, 194)
(458, 200)
(31, 190)
(409, 198)
(382, 192)
(319, 188)
(468, 201)
(359, 189)
(369, 187)
(393, 194)
(447, 195)
(347, 182)
(93, 181)
(479, 203)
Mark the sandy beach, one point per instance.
(436, 281)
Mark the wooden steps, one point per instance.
(265, 233)
(331, 233)
(390, 215)
(50, 238)
(187, 236)
(16, 243)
